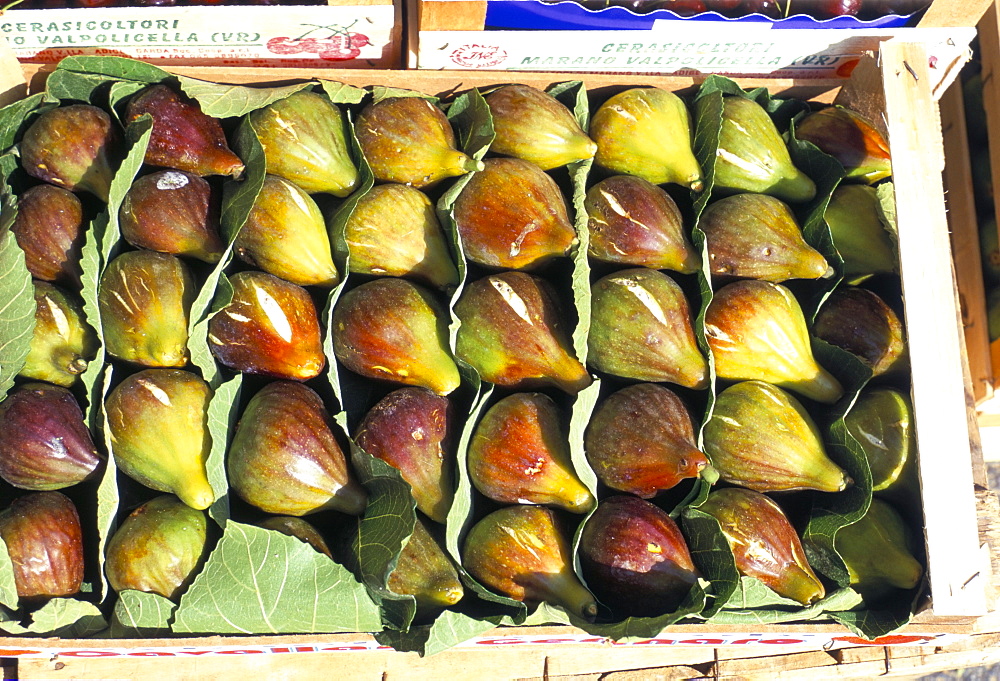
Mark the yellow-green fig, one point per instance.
(881, 420)
(62, 343)
(426, 573)
(859, 234)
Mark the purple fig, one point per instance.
(410, 141)
(851, 139)
(426, 573)
(512, 334)
(634, 222)
(394, 330)
(72, 147)
(44, 443)
(300, 529)
(158, 548)
(63, 343)
(519, 454)
(764, 543)
(523, 552)
(860, 322)
(635, 558)
(512, 215)
(641, 328)
(641, 440)
(158, 425)
(409, 430)
(183, 138)
(285, 235)
(173, 212)
(145, 299)
(270, 328)
(49, 229)
(45, 543)
(284, 457)
(394, 232)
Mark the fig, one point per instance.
(183, 137)
(426, 573)
(641, 440)
(762, 438)
(394, 330)
(44, 442)
(158, 427)
(394, 231)
(756, 331)
(634, 222)
(49, 229)
(72, 147)
(635, 558)
(284, 457)
(512, 215)
(410, 141)
(519, 454)
(45, 543)
(860, 322)
(764, 543)
(646, 132)
(145, 299)
(158, 549)
(285, 235)
(300, 529)
(641, 328)
(533, 125)
(63, 343)
(410, 430)
(523, 552)
(757, 236)
(859, 234)
(752, 156)
(270, 328)
(881, 421)
(304, 137)
(851, 139)
(173, 212)
(512, 334)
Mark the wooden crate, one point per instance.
(959, 516)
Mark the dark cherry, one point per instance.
(769, 8)
(828, 9)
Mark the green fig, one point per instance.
(634, 222)
(394, 231)
(860, 322)
(646, 132)
(158, 425)
(183, 137)
(410, 430)
(635, 558)
(512, 334)
(44, 539)
(173, 212)
(285, 235)
(641, 328)
(881, 421)
(394, 330)
(641, 440)
(519, 454)
(72, 147)
(878, 552)
(523, 552)
(426, 573)
(270, 327)
(859, 234)
(757, 236)
(304, 137)
(300, 529)
(49, 229)
(63, 343)
(410, 141)
(284, 457)
(761, 437)
(756, 330)
(158, 548)
(851, 139)
(512, 215)
(764, 543)
(752, 156)
(145, 300)
(533, 125)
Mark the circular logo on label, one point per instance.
(478, 56)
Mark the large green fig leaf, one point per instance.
(62, 618)
(81, 78)
(17, 311)
(227, 101)
(138, 614)
(222, 416)
(8, 589)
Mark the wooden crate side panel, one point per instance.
(954, 13)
